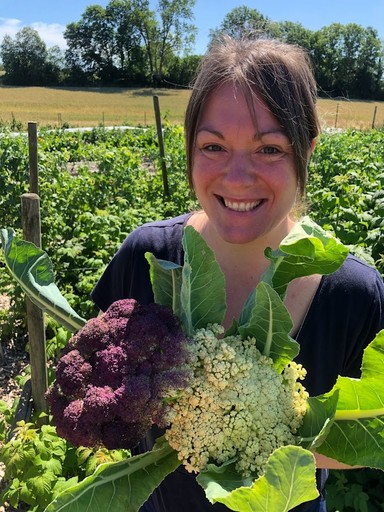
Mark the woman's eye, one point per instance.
(212, 147)
(270, 150)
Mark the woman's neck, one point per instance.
(244, 258)
(242, 264)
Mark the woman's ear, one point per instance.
(312, 147)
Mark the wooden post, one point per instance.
(30, 210)
(33, 170)
(337, 115)
(374, 117)
(30, 214)
(161, 145)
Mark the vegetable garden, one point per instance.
(98, 185)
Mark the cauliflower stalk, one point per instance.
(236, 406)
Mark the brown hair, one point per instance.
(278, 73)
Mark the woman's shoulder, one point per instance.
(355, 275)
(161, 237)
(354, 292)
(160, 228)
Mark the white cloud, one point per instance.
(9, 26)
(50, 33)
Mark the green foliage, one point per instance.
(27, 61)
(355, 491)
(96, 186)
(6, 415)
(39, 465)
(346, 190)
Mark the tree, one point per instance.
(182, 70)
(168, 34)
(370, 69)
(244, 21)
(348, 60)
(91, 46)
(127, 40)
(294, 33)
(129, 55)
(27, 61)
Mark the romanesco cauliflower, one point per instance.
(237, 405)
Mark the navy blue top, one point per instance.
(345, 315)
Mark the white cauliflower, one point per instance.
(237, 406)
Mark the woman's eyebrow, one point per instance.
(210, 130)
(257, 136)
(280, 132)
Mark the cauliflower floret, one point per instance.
(237, 405)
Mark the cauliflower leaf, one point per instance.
(33, 270)
(277, 489)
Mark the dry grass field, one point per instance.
(77, 107)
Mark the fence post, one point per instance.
(374, 117)
(33, 170)
(337, 114)
(161, 144)
(31, 224)
(30, 211)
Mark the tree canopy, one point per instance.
(126, 43)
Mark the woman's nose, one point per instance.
(240, 168)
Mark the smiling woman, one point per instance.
(251, 125)
(243, 172)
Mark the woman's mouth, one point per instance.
(241, 206)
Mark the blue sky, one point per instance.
(49, 17)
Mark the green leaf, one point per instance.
(356, 436)
(120, 486)
(203, 297)
(317, 420)
(289, 480)
(32, 269)
(265, 318)
(166, 282)
(195, 291)
(307, 250)
(41, 484)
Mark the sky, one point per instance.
(50, 17)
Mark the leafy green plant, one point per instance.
(39, 465)
(352, 410)
(355, 491)
(86, 213)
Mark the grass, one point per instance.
(351, 114)
(89, 106)
(76, 107)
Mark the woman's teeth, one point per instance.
(241, 206)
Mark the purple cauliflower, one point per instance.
(115, 375)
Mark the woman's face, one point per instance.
(243, 170)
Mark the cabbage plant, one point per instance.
(345, 424)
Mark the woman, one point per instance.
(251, 126)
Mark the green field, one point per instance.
(76, 107)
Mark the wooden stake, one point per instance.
(33, 169)
(30, 209)
(161, 145)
